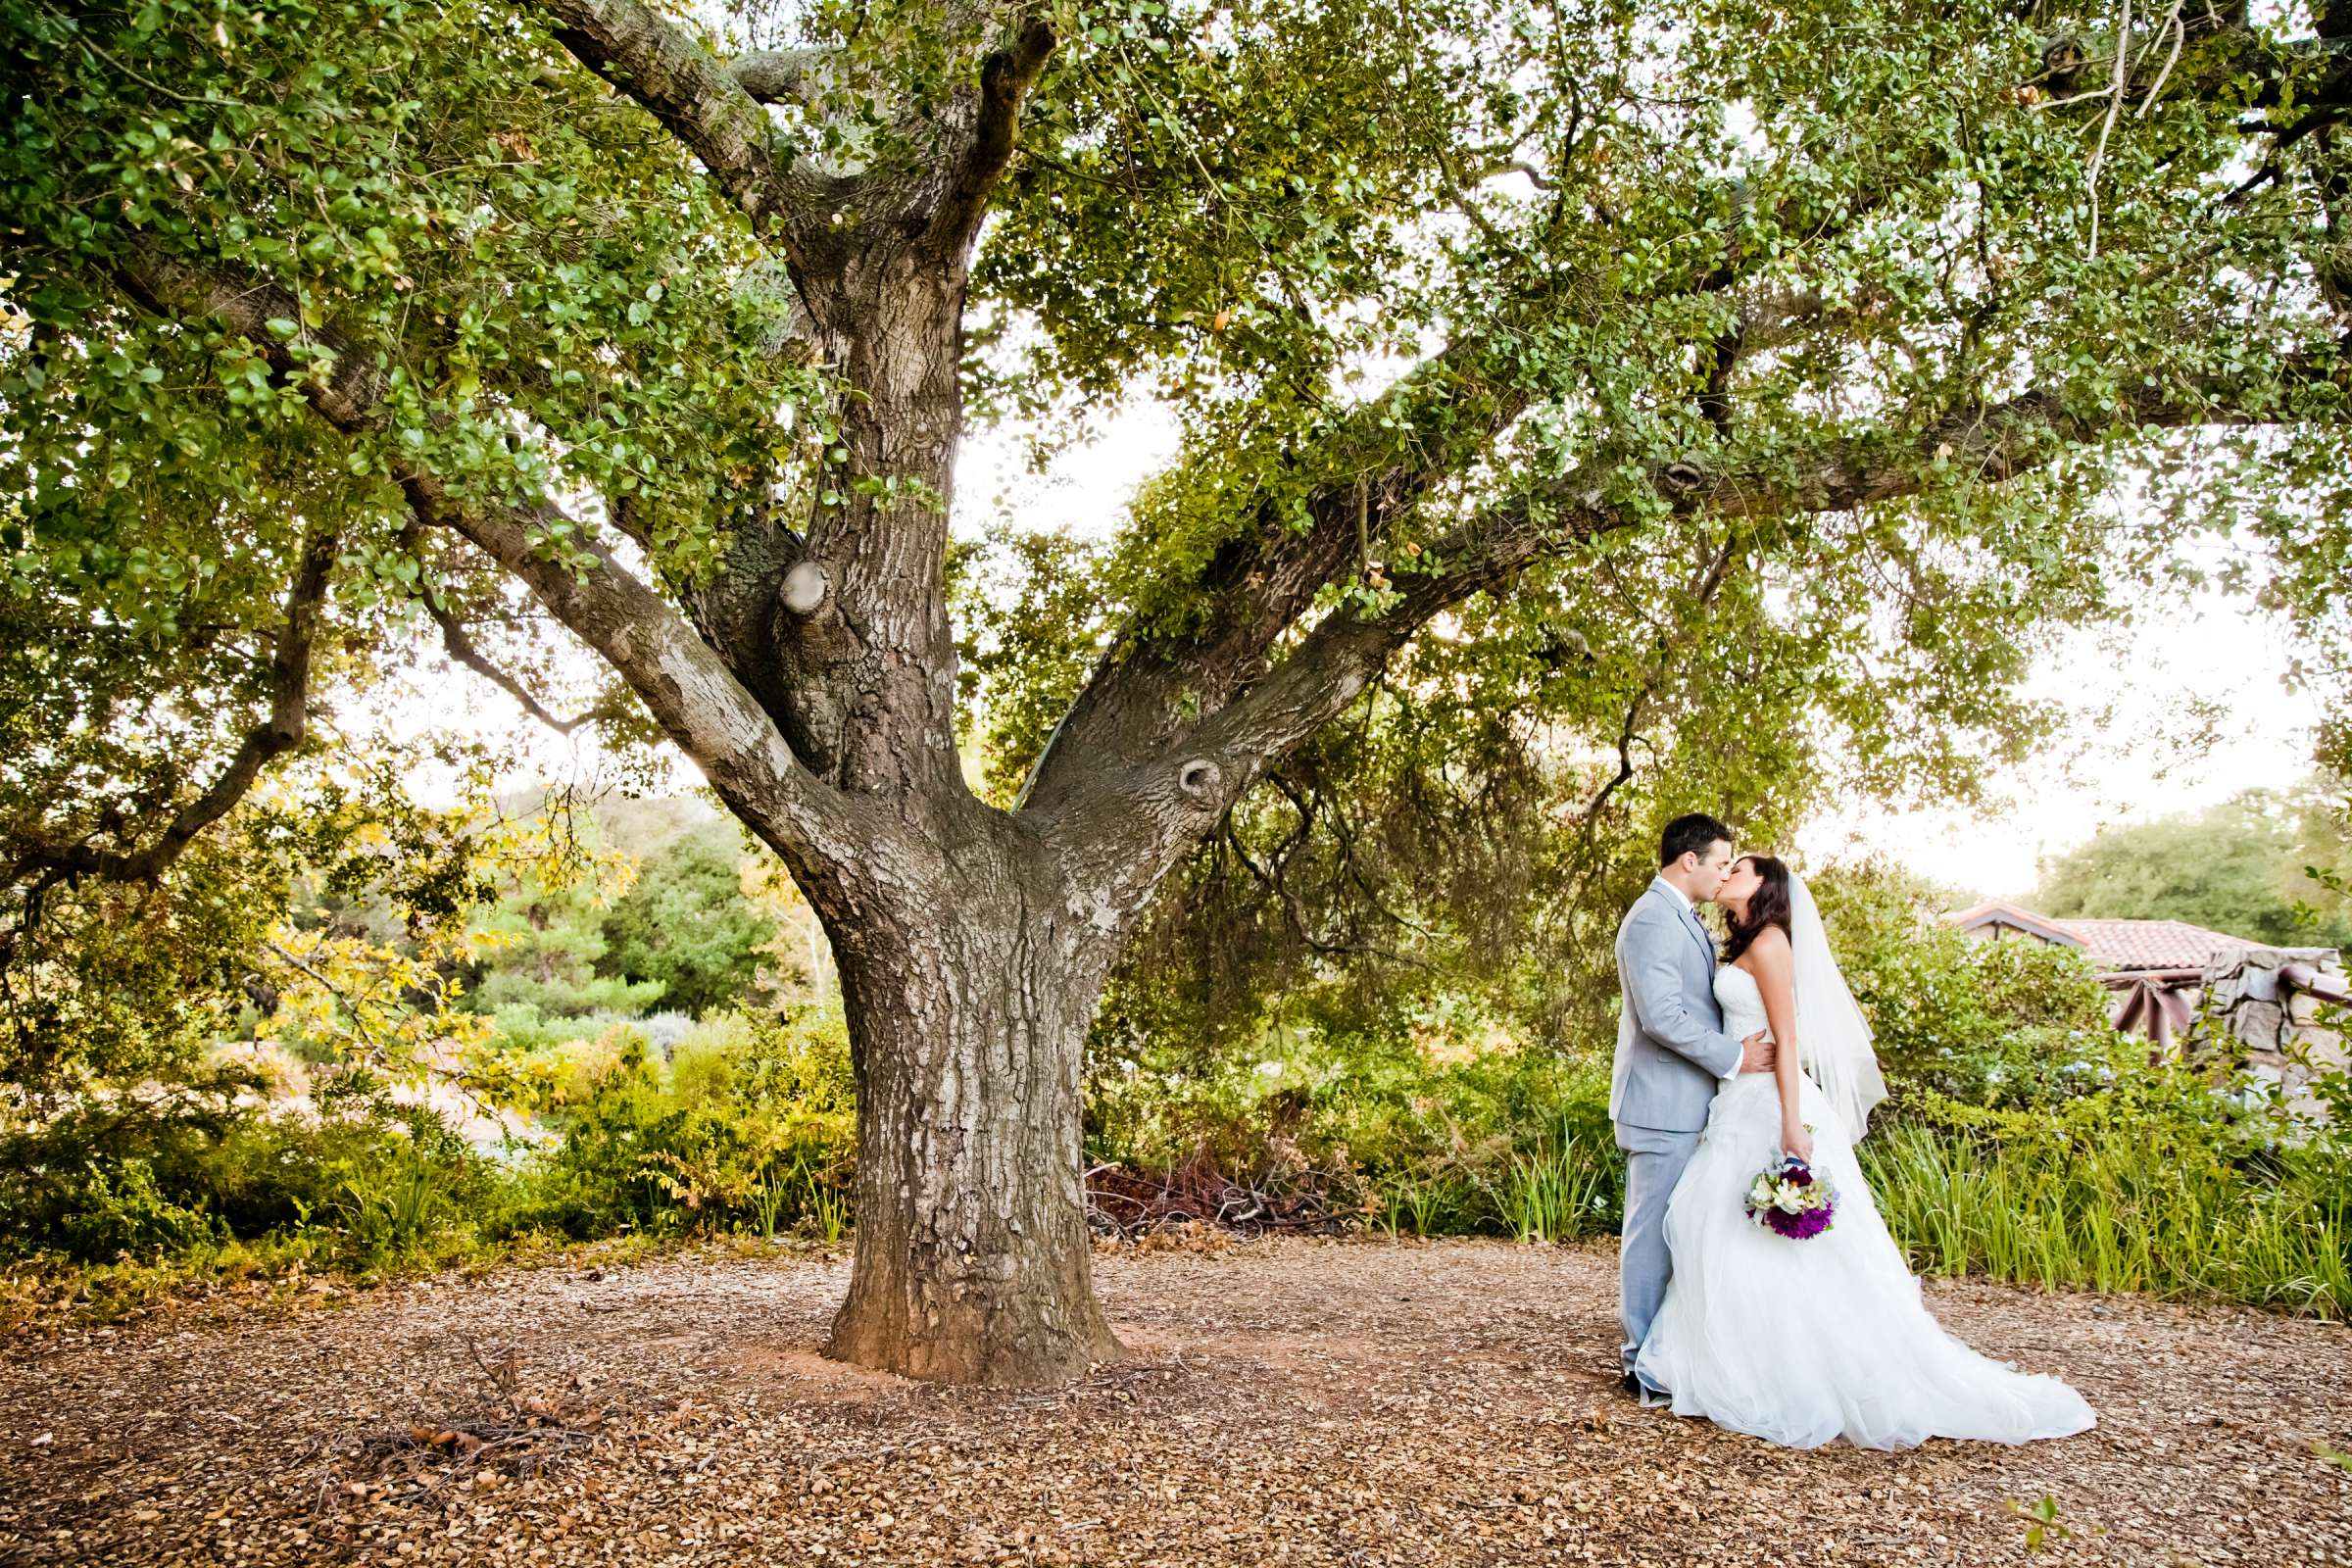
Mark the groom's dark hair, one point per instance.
(1691, 835)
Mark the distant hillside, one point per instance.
(637, 827)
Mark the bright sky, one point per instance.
(2142, 748)
(2139, 748)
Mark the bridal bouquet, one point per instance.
(1789, 1200)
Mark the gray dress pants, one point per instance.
(1654, 1158)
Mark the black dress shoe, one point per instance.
(1631, 1384)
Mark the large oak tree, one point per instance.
(333, 320)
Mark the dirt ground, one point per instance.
(1286, 1402)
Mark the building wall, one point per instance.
(2281, 1029)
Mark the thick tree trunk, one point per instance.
(967, 1020)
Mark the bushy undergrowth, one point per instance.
(1430, 1120)
(2162, 1184)
(160, 1168)
(2025, 1140)
(749, 1126)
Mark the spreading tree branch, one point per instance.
(685, 685)
(1268, 573)
(1212, 761)
(465, 651)
(277, 734)
(1005, 77)
(781, 75)
(711, 110)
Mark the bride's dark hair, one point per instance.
(1767, 906)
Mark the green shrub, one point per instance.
(583, 1068)
(119, 1210)
(1431, 1116)
(1566, 1187)
(524, 1027)
(685, 925)
(396, 1202)
(751, 1127)
(703, 1067)
(2012, 1024)
(149, 1171)
(551, 939)
(2163, 1183)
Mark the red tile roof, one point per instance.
(2150, 943)
(2112, 945)
(2015, 915)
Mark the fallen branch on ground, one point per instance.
(1124, 1204)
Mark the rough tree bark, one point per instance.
(969, 1002)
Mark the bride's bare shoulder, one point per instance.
(1770, 947)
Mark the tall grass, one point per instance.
(394, 1208)
(1427, 1203)
(1564, 1188)
(2122, 1212)
(805, 1190)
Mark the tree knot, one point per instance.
(1681, 477)
(1198, 779)
(804, 587)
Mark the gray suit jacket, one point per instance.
(1671, 1053)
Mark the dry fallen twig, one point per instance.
(1126, 1205)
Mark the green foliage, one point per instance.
(281, 918)
(2240, 867)
(1876, 168)
(107, 980)
(2163, 1183)
(756, 1128)
(1428, 1110)
(119, 1210)
(1447, 827)
(2016, 1024)
(421, 178)
(157, 1171)
(1428, 846)
(527, 1032)
(1254, 212)
(1564, 1188)
(1031, 618)
(1208, 214)
(549, 940)
(685, 925)
(392, 1206)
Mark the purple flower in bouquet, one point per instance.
(1789, 1200)
(1797, 1227)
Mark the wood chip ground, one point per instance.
(1292, 1402)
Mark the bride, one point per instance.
(1805, 1342)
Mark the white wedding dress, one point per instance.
(1804, 1342)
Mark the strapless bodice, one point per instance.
(1741, 1001)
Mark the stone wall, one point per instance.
(2278, 1024)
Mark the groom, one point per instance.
(1672, 1054)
